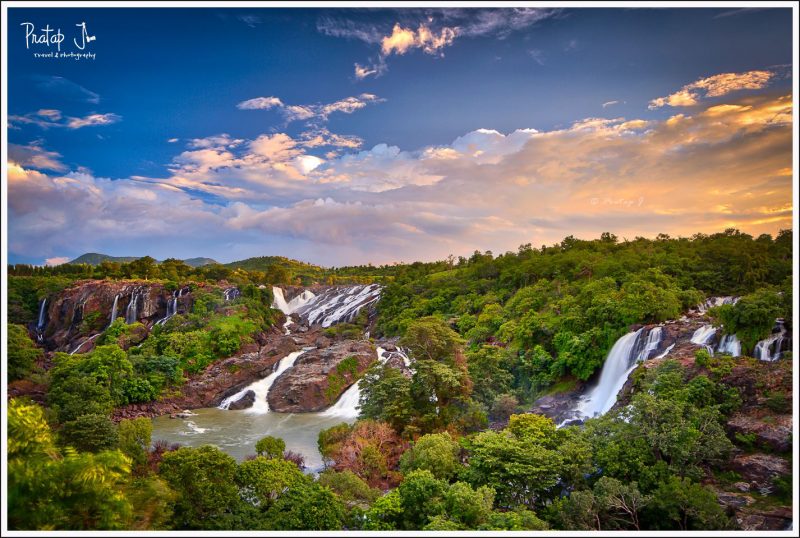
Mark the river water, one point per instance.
(236, 432)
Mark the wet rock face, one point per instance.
(320, 376)
(220, 380)
(760, 469)
(245, 402)
(775, 432)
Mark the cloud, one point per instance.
(63, 88)
(47, 118)
(428, 30)
(250, 20)
(35, 156)
(737, 12)
(93, 119)
(57, 260)
(220, 140)
(172, 140)
(537, 55)
(719, 166)
(714, 86)
(260, 103)
(317, 112)
(610, 103)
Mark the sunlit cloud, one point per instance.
(317, 112)
(714, 86)
(728, 164)
(46, 118)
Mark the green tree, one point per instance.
(22, 352)
(204, 479)
(680, 503)
(134, 439)
(270, 447)
(51, 489)
(90, 433)
(435, 452)
(307, 507)
(263, 480)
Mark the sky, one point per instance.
(350, 136)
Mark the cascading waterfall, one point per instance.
(629, 350)
(712, 302)
(703, 335)
(41, 321)
(114, 310)
(337, 305)
(262, 386)
(172, 307)
(232, 293)
(84, 343)
(731, 345)
(279, 300)
(131, 311)
(346, 406)
(771, 348)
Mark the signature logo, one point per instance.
(50, 37)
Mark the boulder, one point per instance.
(760, 469)
(319, 377)
(244, 402)
(774, 431)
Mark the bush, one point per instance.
(22, 352)
(90, 433)
(270, 447)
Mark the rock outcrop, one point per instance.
(220, 380)
(320, 376)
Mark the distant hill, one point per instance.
(265, 263)
(94, 258)
(199, 262)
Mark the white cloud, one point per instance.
(610, 103)
(46, 118)
(537, 55)
(714, 86)
(34, 155)
(317, 112)
(56, 260)
(722, 166)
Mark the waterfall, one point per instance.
(262, 386)
(279, 301)
(114, 310)
(232, 293)
(764, 348)
(84, 343)
(172, 307)
(731, 345)
(711, 302)
(650, 345)
(337, 305)
(703, 335)
(346, 406)
(618, 365)
(130, 312)
(40, 323)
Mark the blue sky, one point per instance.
(349, 136)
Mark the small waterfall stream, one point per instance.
(114, 310)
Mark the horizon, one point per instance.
(348, 137)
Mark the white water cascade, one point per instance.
(626, 353)
(770, 349)
(262, 386)
(731, 345)
(172, 307)
(346, 406)
(231, 294)
(114, 310)
(711, 302)
(337, 305)
(279, 300)
(130, 312)
(40, 323)
(84, 343)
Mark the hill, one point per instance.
(95, 258)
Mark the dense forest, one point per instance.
(451, 445)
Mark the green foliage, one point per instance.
(307, 507)
(349, 487)
(90, 433)
(204, 479)
(680, 503)
(345, 372)
(134, 439)
(270, 447)
(752, 318)
(22, 352)
(51, 489)
(520, 462)
(263, 480)
(435, 452)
